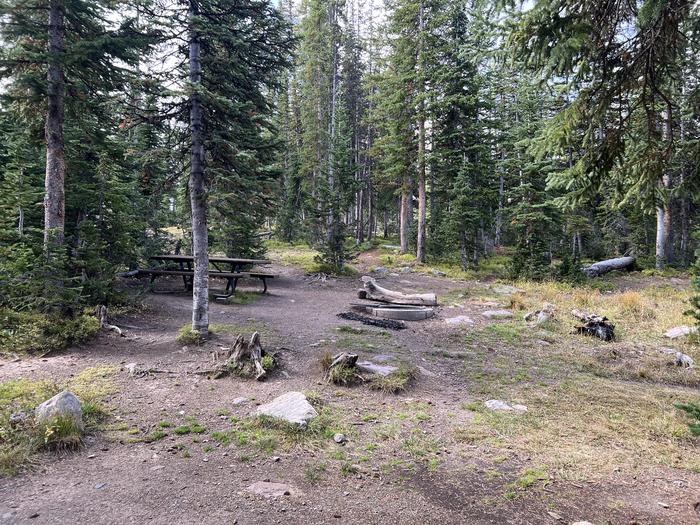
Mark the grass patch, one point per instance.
(243, 298)
(34, 332)
(156, 435)
(187, 336)
(313, 473)
(22, 439)
(395, 382)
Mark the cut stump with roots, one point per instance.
(245, 358)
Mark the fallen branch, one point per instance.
(378, 293)
(101, 314)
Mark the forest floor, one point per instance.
(600, 442)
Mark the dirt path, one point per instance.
(402, 463)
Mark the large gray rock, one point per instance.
(497, 314)
(368, 367)
(680, 331)
(291, 407)
(64, 405)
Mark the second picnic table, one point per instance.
(226, 266)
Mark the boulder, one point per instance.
(369, 367)
(680, 331)
(501, 406)
(64, 405)
(497, 314)
(291, 407)
(380, 270)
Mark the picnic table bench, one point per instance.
(186, 270)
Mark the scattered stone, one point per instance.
(269, 489)
(581, 523)
(460, 319)
(541, 316)
(406, 269)
(340, 438)
(497, 314)
(64, 404)
(131, 368)
(662, 504)
(240, 401)
(380, 270)
(18, 418)
(292, 407)
(438, 273)
(275, 459)
(684, 360)
(502, 406)
(680, 331)
(369, 367)
(100, 486)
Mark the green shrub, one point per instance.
(693, 412)
(187, 336)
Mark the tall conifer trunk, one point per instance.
(405, 216)
(420, 243)
(54, 197)
(197, 188)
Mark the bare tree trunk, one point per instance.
(663, 219)
(198, 193)
(54, 198)
(405, 217)
(420, 244)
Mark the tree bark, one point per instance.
(54, 197)
(404, 227)
(420, 243)
(197, 189)
(599, 268)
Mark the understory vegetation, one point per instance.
(22, 439)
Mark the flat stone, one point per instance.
(501, 406)
(269, 489)
(64, 404)
(292, 407)
(369, 367)
(460, 319)
(680, 331)
(497, 314)
(240, 401)
(380, 270)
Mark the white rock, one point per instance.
(680, 331)
(64, 404)
(240, 401)
(684, 360)
(502, 406)
(460, 319)
(340, 438)
(372, 368)
(292, 407)
(497, 314)
(269, 489)
(581, 523)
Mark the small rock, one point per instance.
(240, 400)
(380, 270)
(581, 523)
(460, 319)
(269, 489)
(372, 368)
(18, 418)
(438, 273)
(680, 331)
(406, 269)
(497, 314)
(275, 459)
(502, 406)
(684, 360)
(340, 438)
(100, 486)
(662, 504)
(65, 405)
(292, 407)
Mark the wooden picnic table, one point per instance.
(232, 275)
(236, 264)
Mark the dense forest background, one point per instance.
(549, 132)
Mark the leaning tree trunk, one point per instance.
(54, 198)
(198, 194)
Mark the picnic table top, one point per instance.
(190, 258)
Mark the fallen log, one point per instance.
(378, 293)
(602, 267)
(594, 325)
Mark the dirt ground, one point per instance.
(403, 462)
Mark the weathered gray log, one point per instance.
(602, 267)
(378, 293)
